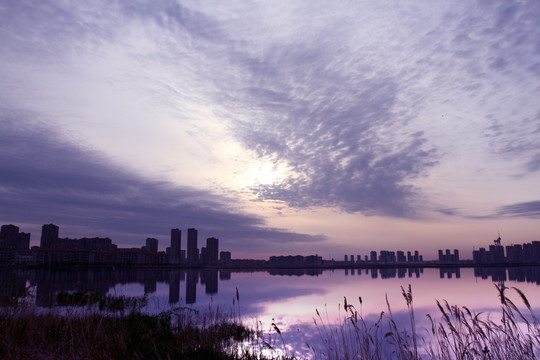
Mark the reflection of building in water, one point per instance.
(224, 274)
(192, 277)
(174, 287)
(295, 272)
(210, 279)
(150, 287)
(450, 272)
(496, 273)
(530, 274)
(48, 283)
(415, 271)
(388, 273)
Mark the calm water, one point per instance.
(290, 298)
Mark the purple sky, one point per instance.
(279, 127)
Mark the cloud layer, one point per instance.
(410, 111)
(51, 180)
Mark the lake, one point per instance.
(290, 299)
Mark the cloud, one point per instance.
(47, 179)
(340, 132)
(530, 209)
(448, 211)
(334, 94)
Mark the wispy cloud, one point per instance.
(529, 209)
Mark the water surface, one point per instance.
(290, 298)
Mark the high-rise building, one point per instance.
(456, 255)
(49, 236)
(192, 250)
(176, 244)
(152, 245)
(212, 251)
(442, 258)
(12, 238)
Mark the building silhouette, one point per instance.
(447, 257)
(212, 251)
(224, 256)
(192, 250)
(151, 245)
(175, 251)
(11, 237)
(49, 236)
(14, 245)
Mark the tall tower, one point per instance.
(176, 236)
(192, 251)
(49, 236)
(212, 251)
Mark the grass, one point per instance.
(92, 326)
(88, 325)
(459, 333)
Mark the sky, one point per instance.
(290, 127)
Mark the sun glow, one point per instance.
(264, 173)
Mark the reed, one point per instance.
(458, 333)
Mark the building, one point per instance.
(151, 245)
(447, 257)
(224, 256)
(12, 238)
(387, 257)
(192, 250)
(176, 246)
(212, 251)
(49, 236)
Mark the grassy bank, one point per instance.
(89, 325)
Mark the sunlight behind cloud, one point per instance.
(263, 172)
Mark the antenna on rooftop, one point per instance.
(498, 241)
